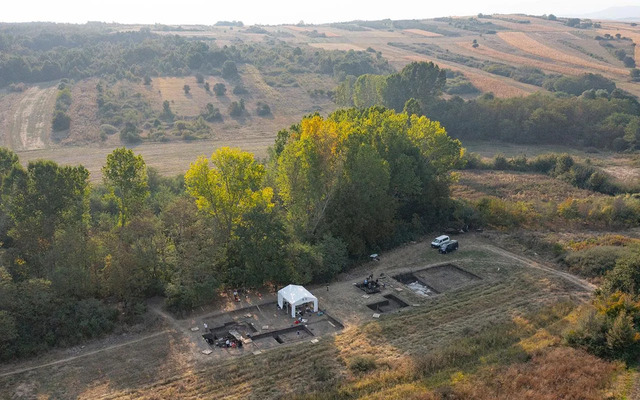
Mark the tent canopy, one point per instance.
(296, 295)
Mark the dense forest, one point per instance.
(78, 259)
(44, 52)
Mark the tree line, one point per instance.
(77, 259)
(584, 111)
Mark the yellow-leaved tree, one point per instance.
(228, 185)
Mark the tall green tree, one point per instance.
(43, 199)
(8, 159)
(125, 174)
(309, 169)
(367, 91)
(363, 211)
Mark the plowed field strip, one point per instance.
(524, 42)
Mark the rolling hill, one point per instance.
(495, 53)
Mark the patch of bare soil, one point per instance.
(25, 118)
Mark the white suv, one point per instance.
(439, 241)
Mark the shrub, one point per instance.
(240, 89)
(219, 89)
(502, 214)
(629, 62)
(211, 113)
(500, 163)
(108, 129)
(130, 133)
(229, 69)
(362, 364)
(263, 109)
(17, 87)
(473, 161)
(61, 121)
(544, 163)
(236, 109)
(594, 261)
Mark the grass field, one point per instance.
(515, 186)
(528, 44)
(511, 290)
(488, 52)
(168, 158)
(623, 167)
(422, 32)
(85, 126)
(336, 46)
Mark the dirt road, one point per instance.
(533, 264)
(90, 353)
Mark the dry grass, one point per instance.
(172, 90)
(558, 373)
(515, 186)
(21, 113)
(536, 25)
(488, 52)
(25, 118)
(301, 29)
(168, 158)
(85, 126)
(337, 46)
(526, 43)
(421, 32)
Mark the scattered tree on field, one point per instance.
(219, 89)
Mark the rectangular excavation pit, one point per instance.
(416, 284)
(222, 332)
(391, 303)
(281, 336)
(445, 277)
(243, 328)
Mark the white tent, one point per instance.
(296, 295)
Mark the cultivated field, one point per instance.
(336, 46)
(509, 289)
(25, 118)
(500, 56)
(422, 32)
(529, 44)
(169, 158)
